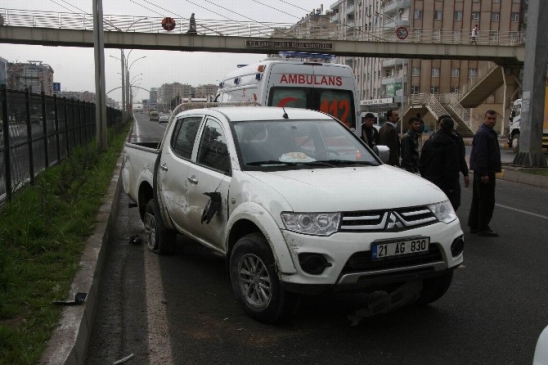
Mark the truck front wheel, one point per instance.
(515, 143)
(255, 281)
(159, 239)
(434, 288)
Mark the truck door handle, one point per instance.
(163, 167)
(193, 180)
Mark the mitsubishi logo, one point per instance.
(394, 222)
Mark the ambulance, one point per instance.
(298, 80)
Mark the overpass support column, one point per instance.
(532, 108)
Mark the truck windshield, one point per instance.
(290, 144)
(335, 102)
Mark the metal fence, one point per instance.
(38, 131)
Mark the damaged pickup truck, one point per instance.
(297, 204)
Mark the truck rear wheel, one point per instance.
(515, 143)
(158, 238)
(255, 281)
(434, 288)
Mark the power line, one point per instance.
(271, 7)
(298, 7)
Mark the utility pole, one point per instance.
(100, 91)
(534, 85)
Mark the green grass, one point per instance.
(535, 171)
(43, 231)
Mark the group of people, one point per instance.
(442, 159)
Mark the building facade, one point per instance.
(35, 75)
(387, 83)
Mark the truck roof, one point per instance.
(250, 113)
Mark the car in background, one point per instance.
(541, 351)
(154, 116)
(163, 119)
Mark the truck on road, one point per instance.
(297, 204)
(515, 124)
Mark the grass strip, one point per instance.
(43, 232)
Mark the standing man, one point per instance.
(410, 146)
(462, 151)
(388, 136)
(440, 161)
(474, 35)
(485, 162)
(370, 134)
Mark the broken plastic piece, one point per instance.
(121, 361)
(79, 298)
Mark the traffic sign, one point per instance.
(401, 32)
(168, 23)
(56, 86)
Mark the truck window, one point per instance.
(338, 103)
(184, 135)
(213, 151)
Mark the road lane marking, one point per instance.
(522, 211)
(159, 345)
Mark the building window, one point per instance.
(438, 15)
(516, 1)
(414, 89)
(475, 16)
(514, 37)
(434, 90)
(416, 71)
(418, 34)
(494, 36)
(457, 36)
(472, 73)
(454, 72)
(435, 72)
(436, 35)
(458, 15)
(455, 90)
(515, 17)
(495, 17)
(475, 1)
(418, 14)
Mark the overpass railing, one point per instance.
(247, 28)
(38, 131)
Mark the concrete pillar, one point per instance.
(534, 85)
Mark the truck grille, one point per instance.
(387, 220)
(361, 261)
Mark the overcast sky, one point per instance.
(74, 67)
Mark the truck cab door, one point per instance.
(211, 175)
(175, 160)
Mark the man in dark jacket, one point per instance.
(410, 146)
(439, 161)
(370, 134)
(388, 136)
(485, 162)
(462, 151)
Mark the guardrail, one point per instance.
(228, 27)
(38, 131)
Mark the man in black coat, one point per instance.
(440, 161)
(370, 134)
(388, 136)
(485, 162)
(410, 146)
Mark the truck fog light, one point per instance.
(457, 246)
(313, 263)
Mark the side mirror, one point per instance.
(383, 152)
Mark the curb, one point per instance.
(509, 174)
(69, 342)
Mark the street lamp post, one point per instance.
(128, 83)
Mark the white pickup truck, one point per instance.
(296, 203)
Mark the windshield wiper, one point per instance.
(348, 162)
(269, 162)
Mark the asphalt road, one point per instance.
(179, 309)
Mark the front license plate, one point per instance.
(399, 248)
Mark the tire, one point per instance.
(434, 288)
(158, 238)
(256, 284)
(515, 143)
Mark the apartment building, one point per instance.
(207, 91)
(387, 83)
(34, 75)
(168, 92)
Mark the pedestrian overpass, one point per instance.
(505, 51)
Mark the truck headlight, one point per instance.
(443, 211)
(318, 224)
